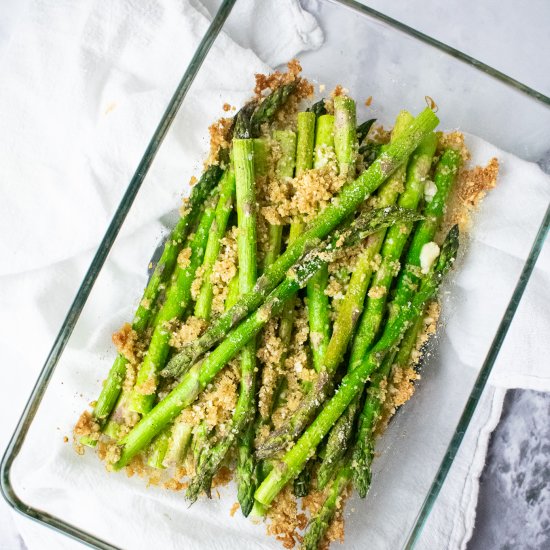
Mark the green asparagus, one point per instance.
(163, 270)
(294, 460)
(345, 203)
(177, 299)
(197, 377)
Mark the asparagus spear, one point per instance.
(182, 432)
(256, 115)
(178, 296)
(317, 300)
(302, 482)
(294, 460)
(249, 157)
(318, 526)
(324, 140)
(350, 311)
(363, 450)
(286, 140)
(344, 325)
(164, 268)
(304, 162)
(445, 174)
(318, 108)
(180, 440)
(392, 248)
(200, 443)
(266, 110)
(202, 373)
(306, 140)
(246, 244)
(203, 305)
(344, 204)
(345, 136)
(158, 450)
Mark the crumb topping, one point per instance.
(284, 520)
(187, 332)
(125, 340)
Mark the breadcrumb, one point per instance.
(125, 340)
(284, 520)
(187, 332)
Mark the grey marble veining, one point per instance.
(514, 497)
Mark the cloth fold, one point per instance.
(84, 87)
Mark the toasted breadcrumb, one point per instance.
(269, 353)
(380, 134)
(312, 504)
(234, 509)
(183, 210)
(146, 387)
(454, 140)
(284, 520)
(471, 187)
(217, 402)
(220, 138)
(108, 451)
(297, 368)
(187, 332)
(135, 467)
(86, 426)
(225, 268)
(175, 485)
(197, 283)
(277, 79)
(222, 477)
(377, 292)
(401, 383)
(125, 340)
(184, 257)
(304, 196)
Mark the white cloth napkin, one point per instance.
(84, 87)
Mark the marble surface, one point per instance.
(514, 500)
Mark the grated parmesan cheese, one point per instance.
(428, 255)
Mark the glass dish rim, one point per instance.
(72, 316)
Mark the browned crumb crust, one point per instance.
(217, 402)
(284, 520)
(225, 268)
(269, 353)
(220, 138)
(270, 82)
(471, 187)
(223, 477)
(187, 332)
(85, 426)
(125, 340)
(304, 196)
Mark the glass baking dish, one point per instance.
(398, 67)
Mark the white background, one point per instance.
(512, 36)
